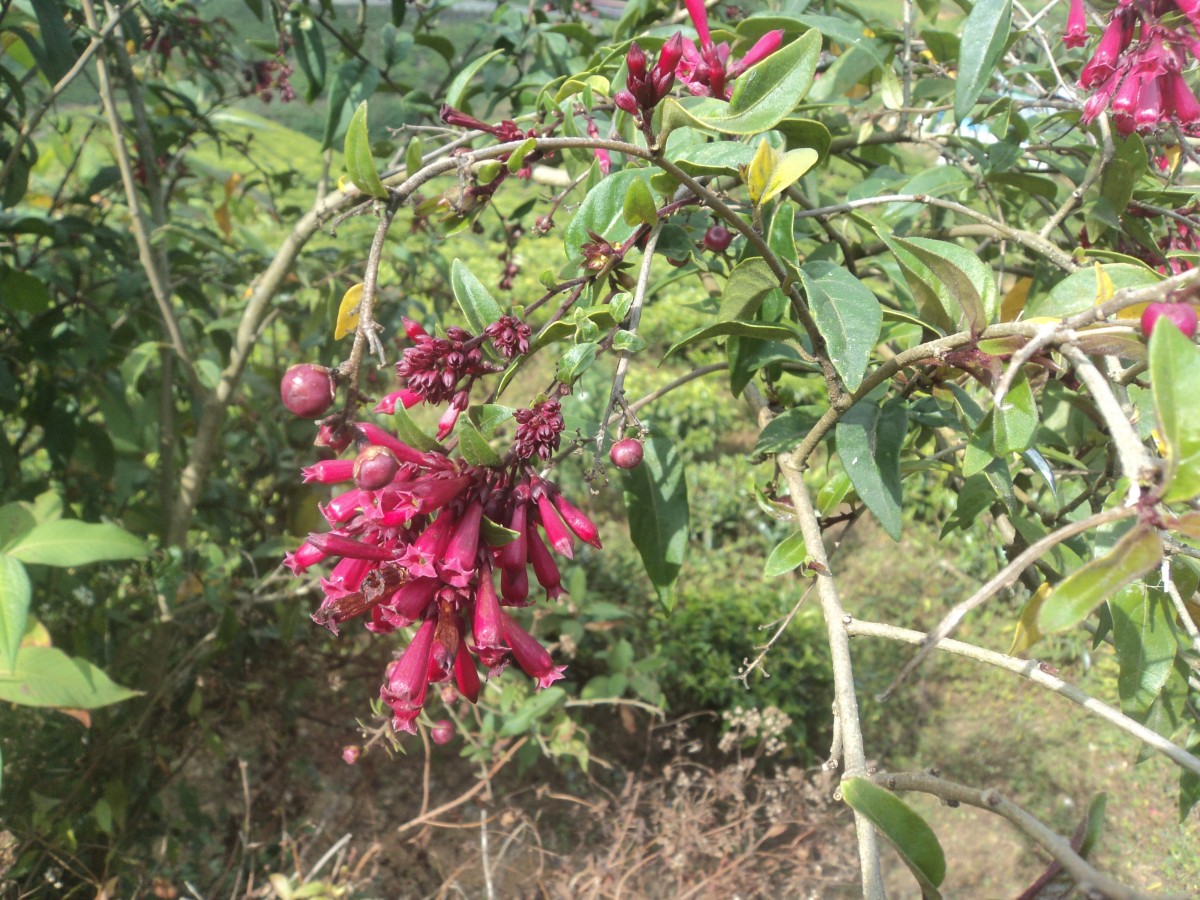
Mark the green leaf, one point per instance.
(359, 163)
(983, 38)
(478, 305)
(22, 291)
(1175, 380)
(1016, 419)
(914, 840)
(762, 96)
(639, 207)
(787, 429)
(603, 211)
(410, 432)
(748, 284)
(847, 315)
(15, 520)
(491, 415)
(656, 505)
(577, 360)
(495, 534)
(733, 328)
(963, 283)
(474, 446)
(47, 677)
(56, 38)
(1095, 824)
(310, 53)
(1079, 291)
(1144, 638)
(516, 159)
(532, 710)
(457, 92)
(1073, 599)
(868, 440)
(69, 542)
(788, 554)
(14, 608)
(833, 492)
(713, 158)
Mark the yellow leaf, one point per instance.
(347, 317)
(1173, 154)
(760, 170)
(1104, 285)
(221, 214)
(1027, 633)
(231, 184)
(1014, 301)
(789, 169)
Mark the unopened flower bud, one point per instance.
(717, 238)
(351, 754)
(375, 467)
(1181, 315)
(625, 101)
(307, 390)
(442, 732)
(626, 454)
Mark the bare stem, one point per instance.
(1033, 670)
(1002, 579)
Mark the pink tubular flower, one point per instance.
(408, 679)
(404, 398)
(544, 567)
(557, 533)
(530, 655)
(707, 70)
(1076, 33)
(581, 525)
(329, 471)
(487, 626)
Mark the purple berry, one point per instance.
(717, 238)
(627, 454)
(307, 390)
(1183, 315)
(375, 467)
(442, 731)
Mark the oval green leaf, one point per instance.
(360, 165)
(1083, 590)
(14, 608)
(656, 505)
(477, 303)
(1175, 380)
(868, 440)
(69, 542)
(907, 831)
(983, 38)
(47, 677)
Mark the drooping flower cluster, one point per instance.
(417, 537)
(1137, 68)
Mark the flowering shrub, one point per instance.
(919, 246)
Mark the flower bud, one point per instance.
(717, 238)
(1181, 315)
(625, 101)
(375, 467)
(626, 454)
(307, 390)
(351, 754)
(442, 732)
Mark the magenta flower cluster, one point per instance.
(418, 538)
(1137, 67)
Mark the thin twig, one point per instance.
(1032, 670)
(1002, 579)
(466, 795)
(1091, 883)
(1180, 606)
